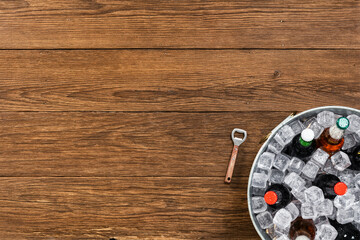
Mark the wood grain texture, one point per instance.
(115, 116)
(179, 24)
(124, 208)
(103, 144)
(178, 80)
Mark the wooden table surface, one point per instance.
(116, 116)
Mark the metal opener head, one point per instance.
(238, 141)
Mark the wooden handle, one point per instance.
(231, 165)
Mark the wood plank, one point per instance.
(128, 144)
(124, 208)
(177, 80)
(179, 24)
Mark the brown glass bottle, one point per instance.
(332, 139)
(302, 229)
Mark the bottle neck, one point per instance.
(304, 143)
(336, 133)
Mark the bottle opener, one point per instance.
(237, 143)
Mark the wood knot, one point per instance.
(276, 74)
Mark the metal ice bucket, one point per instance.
(304, 115)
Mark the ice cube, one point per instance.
(298, 203)
(348, 178)
(349, 141)
(327, 232)
(320, 156)
(293, 210)
(315, 126)
(299, 195)
(357, 135)
(294, 181)
(329, 168)
(283, 237)
(326, 119)
(356, 193)
(357, 181)
(277, 176)
(282, 218)
(267, 172)
(356, 205)
(285, 134)
(258, 191)
(281, 162)
(259, 180)
(297, 126)
(296, 165)
(282, 231)
(354, 123)
(357, 215)
(310, 170)
(266, 160)
(308, 211)
(275, 146)
(344, 201)
(344, 216)
(333, 215)
(314, 195)
(319, 221)
(340, 160)
(258, 204)
(264, 219)
(325, 208)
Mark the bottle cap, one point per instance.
(340, 188)
(343, 123)
(270, 197)
(307, 135)
(302, 237)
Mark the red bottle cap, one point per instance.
(340, 188)
(270, 197)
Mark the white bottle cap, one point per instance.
(302, 237)
(307, 135)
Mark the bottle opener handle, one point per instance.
(237, 143)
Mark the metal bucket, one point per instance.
(304, 115)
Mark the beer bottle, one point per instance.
(330, 185)
(302, 229)
(277, 196)
(332, 138)
(302, 145)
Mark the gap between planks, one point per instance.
(175, 49)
